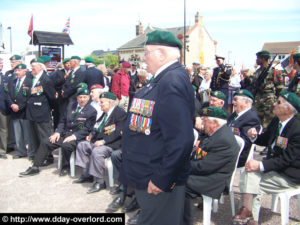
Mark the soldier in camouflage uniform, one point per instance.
(294, 85)
(267, 92)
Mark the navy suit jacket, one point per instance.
(93, 76)
(240, 127)
(69, 87)
(162, 156)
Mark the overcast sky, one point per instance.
(240, 27)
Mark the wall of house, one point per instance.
(132, 55)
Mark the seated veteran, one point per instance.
(75, 125)
(96, 90)
(244, 118)
(105, 137)
(280, 170)
(213, 162)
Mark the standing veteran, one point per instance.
(158, 134)
(92, 75)
(294, 85)
(77, 122)
(243, 119)
(213, 162)
(17, 96)
(105, 137)
(280, 170)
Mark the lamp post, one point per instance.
(9, 28)
(184, 30)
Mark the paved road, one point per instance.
(49, 193)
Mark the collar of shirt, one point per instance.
(110, 111)
(164, 67)
(76, 69)
(21, 81)
(284, 123)
(37, 77)
(241, 113)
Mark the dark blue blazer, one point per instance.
(163, 155)
(4, 109)
(242, 124)
(93, 76)
(69, 87)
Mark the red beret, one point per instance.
(94, 86)
(126, 65)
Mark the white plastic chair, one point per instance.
(72, 162)
(110, 167)
(208, 201)
(285, 204)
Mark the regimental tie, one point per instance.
(77, 111)
(17, 87)
(102, 123)
(33, 79)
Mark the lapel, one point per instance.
(110, 118)
(287, 127)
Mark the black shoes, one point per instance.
(48, 162)
(117, 203)
(83, 179)
(134, 219)
(116, 190)
(18, 157)
(133, 205)
(64, 171)
(30, 171)
(96, 187)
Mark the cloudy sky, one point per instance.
(239, 27)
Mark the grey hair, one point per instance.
(246, 99)
(220, 122)
(287, 104)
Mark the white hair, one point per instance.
(173, 51)
(246, 99)
(220, 122)
(294, 111)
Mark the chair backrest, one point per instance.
(196, 135)
(241, 143)
(251, 152)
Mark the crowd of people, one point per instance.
(147, 127)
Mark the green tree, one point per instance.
(111, 59)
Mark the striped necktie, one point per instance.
(102, 123)
(17, 87)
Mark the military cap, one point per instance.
(126, 64)
(83, 91)
(38, 60)
(244, 92)
(89, 60)
(296, 56)
(76, 57)
(66, 60)
(95, 86)
(263, 53)
(218, 94)
(82, 85)
(45, 58)
(292, 98)
(214, 112)
(108, 95)
(159, 37)
(220, 57)
(20, 66)
(15, 57)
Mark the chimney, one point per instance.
(198, 19)
(139, 29)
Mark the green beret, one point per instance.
(244, 92)
(218, 94)
(108, 95)
(214, 112)
(66, 60)
(20, 66)
(82, 85)
(89, 60)
(159, 37)
(292, 98)
(83, 91)
(45, 58)
(15, 57)
(38, 60)
(76, 57)
(263, 53)
(296, 56)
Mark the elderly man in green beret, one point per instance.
(103, 140)
(294, 85)
(78, 120)
(280, 170)
(212, 162)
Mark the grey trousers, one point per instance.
(258, 184)
(7, 138)
(162, 209)
(93, 157)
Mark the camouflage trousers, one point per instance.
(264, 108)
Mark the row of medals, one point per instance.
(141, 120)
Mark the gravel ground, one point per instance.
(49, 193)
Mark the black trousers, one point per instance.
(162, 209)
(47, 147)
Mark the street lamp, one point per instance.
(9, 28)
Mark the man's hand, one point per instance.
(15, 107)
(69, 139)
(252, 133)
(152, 189)
(98, 143)
(252, 165)
(88, 138)
(54, 137)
